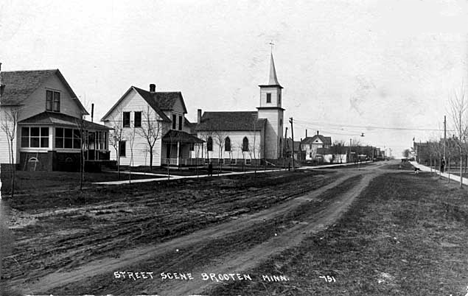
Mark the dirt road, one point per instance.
(231, 247)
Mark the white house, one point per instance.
(234, 136)
(150, 128)
(43, 116)
(311, 144)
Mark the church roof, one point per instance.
(273, 78)
(231, 121)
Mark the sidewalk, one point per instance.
(164, 177)
(453, 177)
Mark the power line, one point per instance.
(303, 122)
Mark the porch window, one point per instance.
(192, 147)
(122, 148)
(245, 144)
(67, 138)
(209, 144)
(138, 119)
(126, 119)
(35, 137)
(227, 144)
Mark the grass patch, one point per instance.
(405, 235)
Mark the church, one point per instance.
(235, 137)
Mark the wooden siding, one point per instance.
(132, 103)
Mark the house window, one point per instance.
(268, 97)
(52, 101)
(35, 137)
(138, 119)
(180, 122)
(209, 144)
(174, 121)
(126, 119)
(279, 99)
(122, 148)
(67, 138)
(56, 101)
(227, 144)
(245, 144)
(281, 122)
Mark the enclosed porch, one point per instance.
(177, 147)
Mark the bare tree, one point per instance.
(150, 130)
(116, 136)
(130, 135)
(339, 149)
(459, 106)
(9, 124)
(220, 138)
(80, 123)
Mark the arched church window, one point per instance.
(245, 144)
(209, 144)
(227, 144)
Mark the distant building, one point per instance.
(46, 116)
(310, 145)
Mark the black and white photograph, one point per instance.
(244, 148)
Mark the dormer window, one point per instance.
(268, 98)
(52, 101)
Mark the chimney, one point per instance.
(92, 112)
(317, 133)
(152, 88)
(306, 134)
(199, 116)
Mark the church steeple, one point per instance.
(273, 78)
(270, 109)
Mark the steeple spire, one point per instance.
(273, 78)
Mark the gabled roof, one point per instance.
(159, 101)
(60, 119)
(231, 121)
(310, 140)
(20, 85)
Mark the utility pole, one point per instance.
(292, 135)
(445, 133)
(285, 152)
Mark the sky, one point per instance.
(385, 69)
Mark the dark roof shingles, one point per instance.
(19, 85)
(231, 121)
